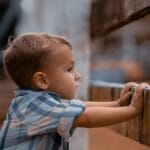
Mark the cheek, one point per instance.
(70, 79)
(67, 86)
(69, 82)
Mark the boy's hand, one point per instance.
(126, 94)
(137, 98)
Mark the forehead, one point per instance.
(63, 54)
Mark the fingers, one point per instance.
(139, 89)
(127, 98)
(137, 99)
(128, 95)
(128, 88)
(131, 94)
(129, 85)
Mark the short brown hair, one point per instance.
(27, 54)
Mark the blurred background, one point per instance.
(110, 39)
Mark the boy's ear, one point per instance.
(40, 80)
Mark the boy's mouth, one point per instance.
(77, 85)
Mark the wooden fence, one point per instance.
(137, 128)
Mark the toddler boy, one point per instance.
(43, 67)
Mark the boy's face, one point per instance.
(61, 73)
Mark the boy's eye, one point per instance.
(70, 69)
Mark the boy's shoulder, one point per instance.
(30, 100)
(28, 103)
(34, 93)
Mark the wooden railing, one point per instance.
(137, 128)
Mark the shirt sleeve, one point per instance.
(74, 109)
(46, 115)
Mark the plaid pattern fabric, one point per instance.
(38, 120)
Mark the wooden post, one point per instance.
(145, 130)
(137, 128)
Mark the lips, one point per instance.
(77, 85)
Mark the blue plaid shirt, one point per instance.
(38, 120)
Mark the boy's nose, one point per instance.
(77, 76)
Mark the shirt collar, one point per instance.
(23, 92)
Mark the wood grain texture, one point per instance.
(145, 128)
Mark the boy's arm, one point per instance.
(102, 103)
(103, 116)
(124, 100)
